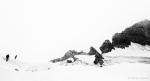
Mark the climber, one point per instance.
(7, 57)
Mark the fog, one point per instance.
(40, 30)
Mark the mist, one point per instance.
(40, 30)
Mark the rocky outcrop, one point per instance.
(69, 54)
(98, 57)
(120, 40)
(137, 33)
(106, 47)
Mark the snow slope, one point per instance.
(130, 64)
(118, 72)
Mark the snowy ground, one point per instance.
(41, 30)
(118, 72)
(131, 64)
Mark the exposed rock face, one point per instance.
(137, 33)
(69, 54)
(98, 57)
(106, 47)
(93, 51)
(69, 61)
(120, 40)
(7, 57)
(16, 56)
(146, 25)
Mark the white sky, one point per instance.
(40, 30)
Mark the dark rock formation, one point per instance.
(16, 69)
(92, 51)
(106, 47)
(69, 54)
(98, 57)
(7, 57)
(69, 61)
(120, 40)
(137, 33)
(16, 56)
